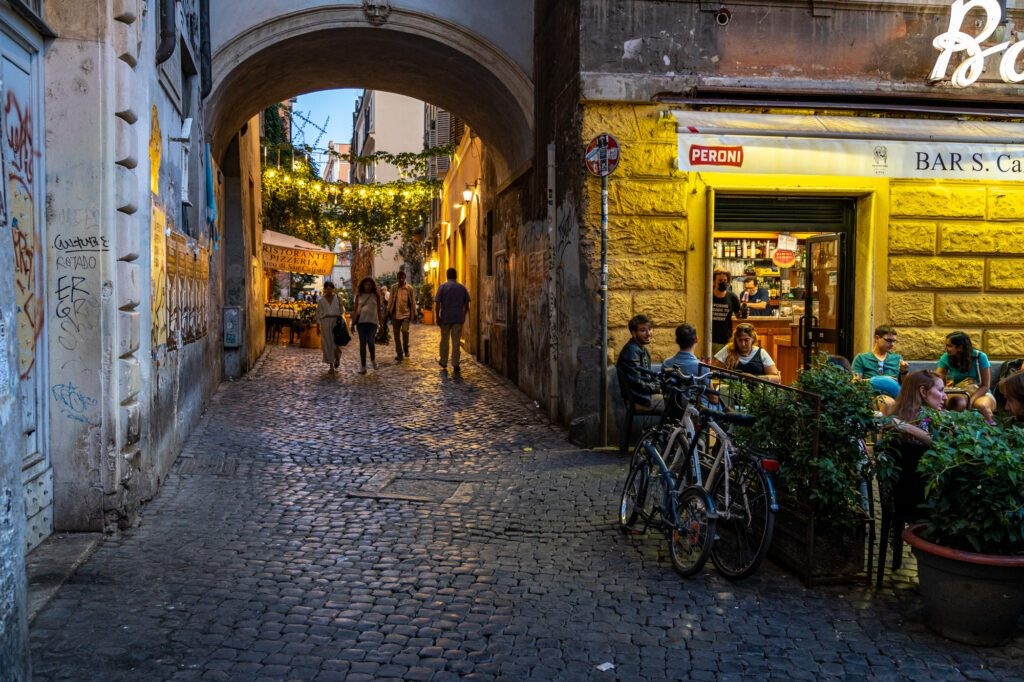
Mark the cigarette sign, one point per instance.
(702, 155)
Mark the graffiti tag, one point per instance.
(20, 143)
(73, 403)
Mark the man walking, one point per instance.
(401, 310)
(450, 307)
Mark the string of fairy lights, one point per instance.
(300, 202)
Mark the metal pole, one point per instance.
(552, 293)
(604, 310)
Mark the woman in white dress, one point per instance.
(328, 310)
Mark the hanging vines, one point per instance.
(298, 202)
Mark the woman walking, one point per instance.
(328, 310)
(366, 317)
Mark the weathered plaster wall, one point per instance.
(80, 69)
(14, 653)
(135, 341)
(634, 50)
(956, 262)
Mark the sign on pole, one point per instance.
(602, 155)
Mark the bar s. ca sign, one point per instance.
(976, 49)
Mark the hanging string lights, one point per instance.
(297, 201)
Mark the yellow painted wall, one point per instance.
(932, 256)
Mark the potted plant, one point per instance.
(425, 302)
(309, 337)
(970, 551)
(817, 434)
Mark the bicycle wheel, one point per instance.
(693, 530)
(745, 525)
(633, 495)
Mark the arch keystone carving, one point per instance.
(377, 11)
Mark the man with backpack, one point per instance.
(401, 308)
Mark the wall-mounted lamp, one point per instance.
(433, 264)
(426, 267)
(467, 194)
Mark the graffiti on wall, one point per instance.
(500, 286)
(21, 155)
(73, 403)
(188, 275)
(75, 259)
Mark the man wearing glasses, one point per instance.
(881, 367)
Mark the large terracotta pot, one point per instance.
(971, 598)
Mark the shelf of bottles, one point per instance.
(739, 255)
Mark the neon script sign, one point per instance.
(955, 41)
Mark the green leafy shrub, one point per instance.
(425, 296)
(974, 488)
(822, 463)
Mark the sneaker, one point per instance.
(398, 358)
(362, 370)
(406, 356)
(374, 364)
(331, 370)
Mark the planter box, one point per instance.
(310, 338)
(428, 316)
(818, 554)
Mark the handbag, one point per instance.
(340, 332)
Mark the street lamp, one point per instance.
(470, 191)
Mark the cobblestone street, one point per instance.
(409, 524)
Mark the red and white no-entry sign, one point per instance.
(602, 156)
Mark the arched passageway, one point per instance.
(429, 57)
(473, 62)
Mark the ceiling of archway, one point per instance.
(472, 80)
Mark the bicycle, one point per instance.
(653, 494)
(737, 480)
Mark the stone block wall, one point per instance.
(955, 263)
(648, 232)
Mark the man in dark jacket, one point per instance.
(632, 359)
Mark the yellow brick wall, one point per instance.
(647, 223)
(949, 255)
(955, 263)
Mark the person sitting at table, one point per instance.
(968, 376)
(880, 366)
(633, 367)
(743, 354)
(1012, 388)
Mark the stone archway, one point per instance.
(428, 57)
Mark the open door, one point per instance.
(823, 325)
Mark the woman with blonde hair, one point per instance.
(743, 354)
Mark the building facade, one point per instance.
(758, 127)
(385, 122)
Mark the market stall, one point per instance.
(284, 253)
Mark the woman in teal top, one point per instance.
(962, 363)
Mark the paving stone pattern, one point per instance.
(282, 547)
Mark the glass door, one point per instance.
(822, 327)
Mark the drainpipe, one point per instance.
(168, 31)
(205, 69)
